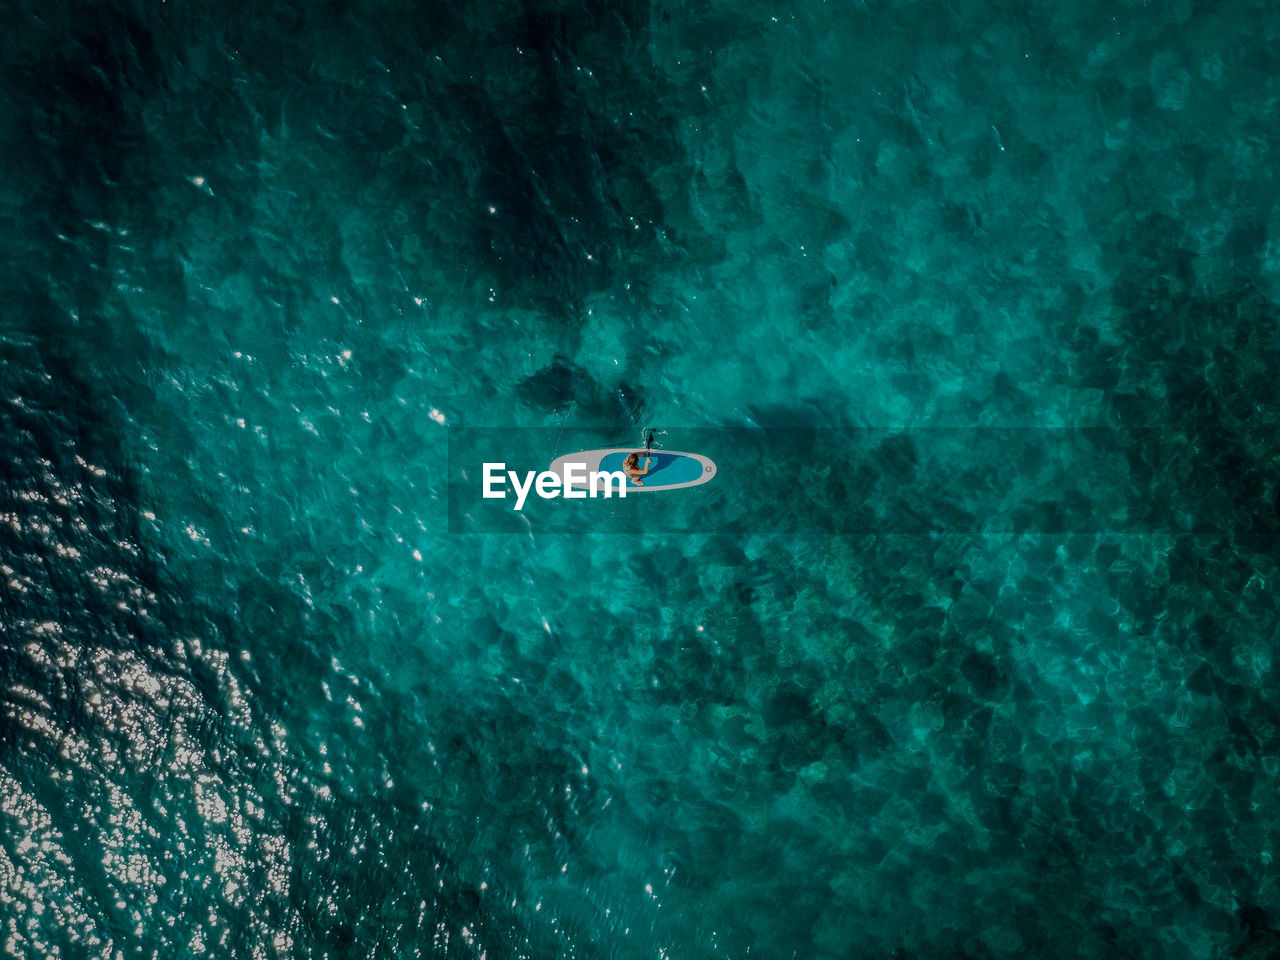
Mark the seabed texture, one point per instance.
(260, 698)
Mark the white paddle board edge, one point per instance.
(590, 459)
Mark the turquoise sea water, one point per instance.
(257, 700)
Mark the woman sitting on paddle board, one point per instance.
(631, 467)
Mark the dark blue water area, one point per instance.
(261, 695)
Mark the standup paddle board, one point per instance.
(668, 469)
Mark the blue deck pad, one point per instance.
(665, 470)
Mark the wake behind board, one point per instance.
(668, 469)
